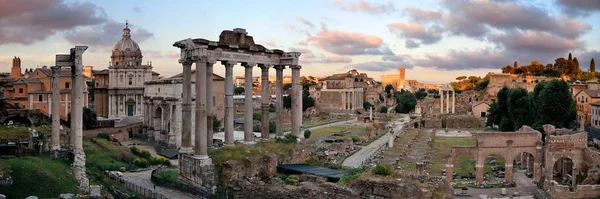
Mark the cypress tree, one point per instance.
(592, 66)
(570, 58)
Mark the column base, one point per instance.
(186, 150)
(198, 172)
(249, 142)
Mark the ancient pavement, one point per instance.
(358, 159)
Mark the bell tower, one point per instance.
(15, 71)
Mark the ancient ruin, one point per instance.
(233, 47)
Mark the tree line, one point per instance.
(550, 102)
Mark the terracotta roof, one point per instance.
(100, 72)
(215, 76)
(596, 103)
(27, 81)
(336, 77)
(591, 93)
(64, 72)
(481, 102)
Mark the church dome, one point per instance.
(126, 52)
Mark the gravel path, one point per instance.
(358, 159)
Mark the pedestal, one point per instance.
(198, 172)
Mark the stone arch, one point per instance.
(451, 161)
(18, 119)
(563, 171)
(158, 118)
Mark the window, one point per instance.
(66, 84)
(159, 90)
(20, 90)
(40, 98)
(586, 99)
(130, 81)
(214, 101)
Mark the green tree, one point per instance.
(389, 88)
(420, 95)
(216, 123)
(493, 113)
(287, 86)
(482, 85)
(406, 102)
(460, 78)
(367, 105)
(518, 108)
(89, 118)
(383, 109)
(553, 104)
(592, 66)
(287, 102)
(239, 90)
(502, 110)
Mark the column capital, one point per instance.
(186, 62)
(229, 63)
(279, 67)
(295, 66)
(265, 66)
(248, 64)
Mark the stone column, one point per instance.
(186, 110)
(279, 97)
(508, 177)
(248, 104)
(343, 96)
(77, 118)
(529, 163)
(449, 172)
(228, 120)
(479, 170)
(441, 101)
(55, 108)
(200, 148)
(70, 109)
(266, 99)
(209, 104)
(296, 100)
(448, 102)
(453, 101)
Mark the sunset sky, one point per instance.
(435, 40)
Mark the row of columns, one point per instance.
(351, 100)
(447, 101)
(203, 128)
(118, 104)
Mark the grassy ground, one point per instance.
(240, 152)
(101, 155)
(443, 146)
(39, 176)
(327, 132)
(488, 166)
(391, 154)
(14, 133)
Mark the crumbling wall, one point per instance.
(582, 191)
(260, 167)
(386, 188)
(432, 123)
(456, 122)
(308, 187)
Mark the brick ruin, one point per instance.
(452, 121)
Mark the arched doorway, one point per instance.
(524, 162)
(562, 172)
(495, 168)
(130, 104)
(158, 118)
(18, 120)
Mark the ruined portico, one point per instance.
(234, 47)
(509, 145)
(445, 90)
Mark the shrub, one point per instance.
(145, 154)
(156, 160)
(287, 138)
(355, 139)
(134, 150)
(272, 127)
(104, 136)
(382, 169)
(140, 162)
(124, 157)
(383, 109)
(307, 134)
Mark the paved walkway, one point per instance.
(525, 188)
(143, 179)
(358, 159)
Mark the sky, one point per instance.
(435, 40)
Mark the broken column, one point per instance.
(77, 117)
(266, 99)
(55, 109)
(279, 98)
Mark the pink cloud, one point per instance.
(270, 43)
(306, 22)
(363, 6)
(427, 35)
(173, 54)
(347, 43)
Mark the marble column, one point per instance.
(441, 101)
(265, 97)
(448, 102)
(77, 118)
(55, 108)
(200, 148)
(453, 101)
(279, 97)
(228, 120)
(296, 100)
(186, 110)
(70, 108)
(209, 104)
(248, 104)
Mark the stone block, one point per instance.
(95, 191)
(66, 196)
(2, 196)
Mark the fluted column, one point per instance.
(186, 110)
(55, 108)
(209, 104)
(266, 99)
(77, 118)
(448, 102)
(296, 100)
(248, 105)
(200, 148)
(279, 98)
(228, 120)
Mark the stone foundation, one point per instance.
(197, 172)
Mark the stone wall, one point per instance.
(462, 121)
(260, 167)
(582, 191)
(433, 123)
(386, 188)
(275, 188)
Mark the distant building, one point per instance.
(87, 71)
(584, 99)
(35, 91)
(346, 92)
(162, 100)
(101, 81)
(15, 70)
(595, 119)
(497, 81)
(396, 80)
(480, 109)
